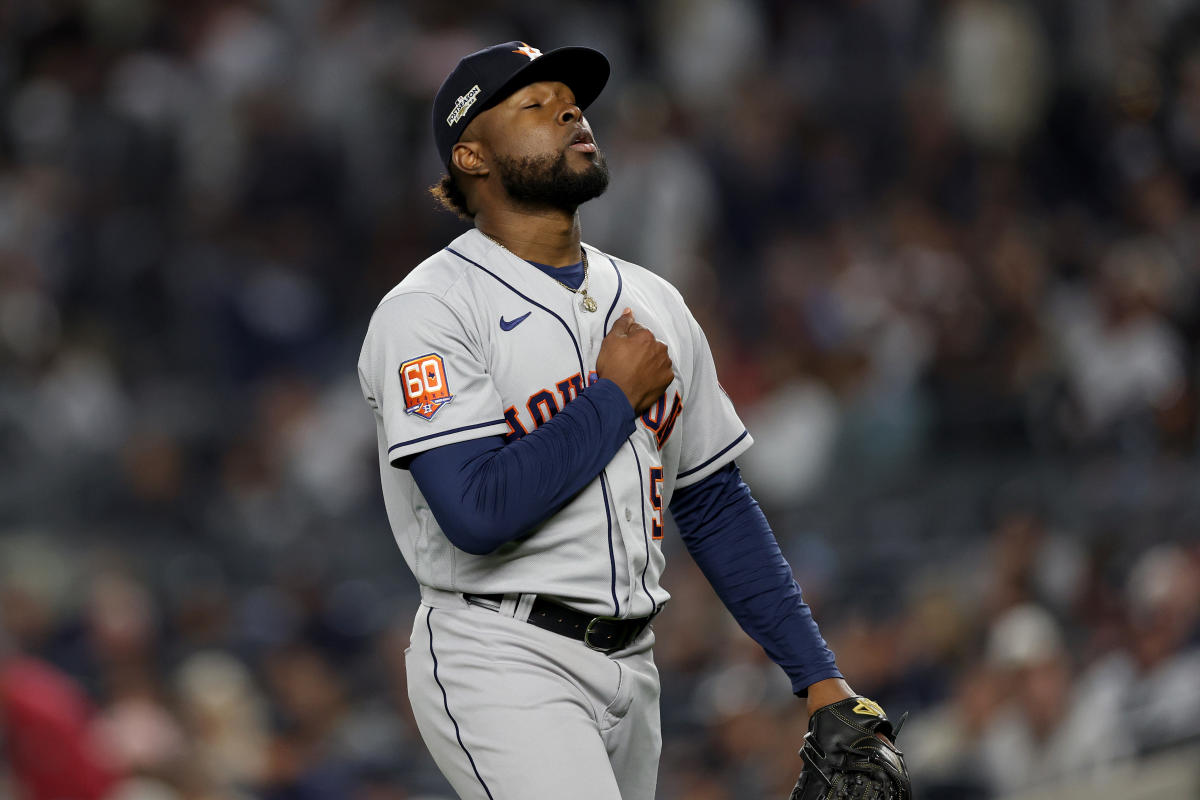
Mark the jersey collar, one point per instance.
(538, 286)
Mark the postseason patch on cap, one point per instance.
(464, 102)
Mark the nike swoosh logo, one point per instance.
(508, 326)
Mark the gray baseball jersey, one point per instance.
(476, 342)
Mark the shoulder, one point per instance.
(434, 296)
(438, 281)
(436, 276)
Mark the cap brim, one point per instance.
(582, 69)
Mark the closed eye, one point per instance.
(533, 105)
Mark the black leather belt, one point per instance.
(605, 634)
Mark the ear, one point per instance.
(467, 156)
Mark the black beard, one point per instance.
(547, 181)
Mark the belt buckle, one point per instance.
(587, 635)
(628, 633)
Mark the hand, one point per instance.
(829, 691)
(633, 359)
(850, 753)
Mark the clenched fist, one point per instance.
(633, 359)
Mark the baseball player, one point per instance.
(540, 405)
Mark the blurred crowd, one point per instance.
(947, 253)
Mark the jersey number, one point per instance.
(425, 389)
(656, 522)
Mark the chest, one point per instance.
(542, 355)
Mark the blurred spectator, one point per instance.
(996, 70)
(225, 714)
(1042, 724)
(1152, 687)
(1122, 357)
(50, 742)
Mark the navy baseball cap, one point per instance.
(484, 78)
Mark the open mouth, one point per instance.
(583, 142)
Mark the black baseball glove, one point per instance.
(845, 760)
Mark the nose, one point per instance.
(569, 114)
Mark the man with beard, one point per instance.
(539, 404)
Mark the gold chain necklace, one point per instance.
(588, 303)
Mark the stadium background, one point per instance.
(948, 257)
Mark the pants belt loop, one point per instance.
(524, 607)
(508, 606)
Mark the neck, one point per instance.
(549, 236)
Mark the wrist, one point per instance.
(611, 387)
(830, 690)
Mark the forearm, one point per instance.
(729, 537)
(486, 493)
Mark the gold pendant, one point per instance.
(588, 304)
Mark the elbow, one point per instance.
(475, 546)
(469, 544)
(479, 537)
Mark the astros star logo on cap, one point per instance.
(527, 50)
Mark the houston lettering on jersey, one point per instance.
(545, 403)
(663, 426)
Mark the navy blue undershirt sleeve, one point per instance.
(485, 492)
(727, 534)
